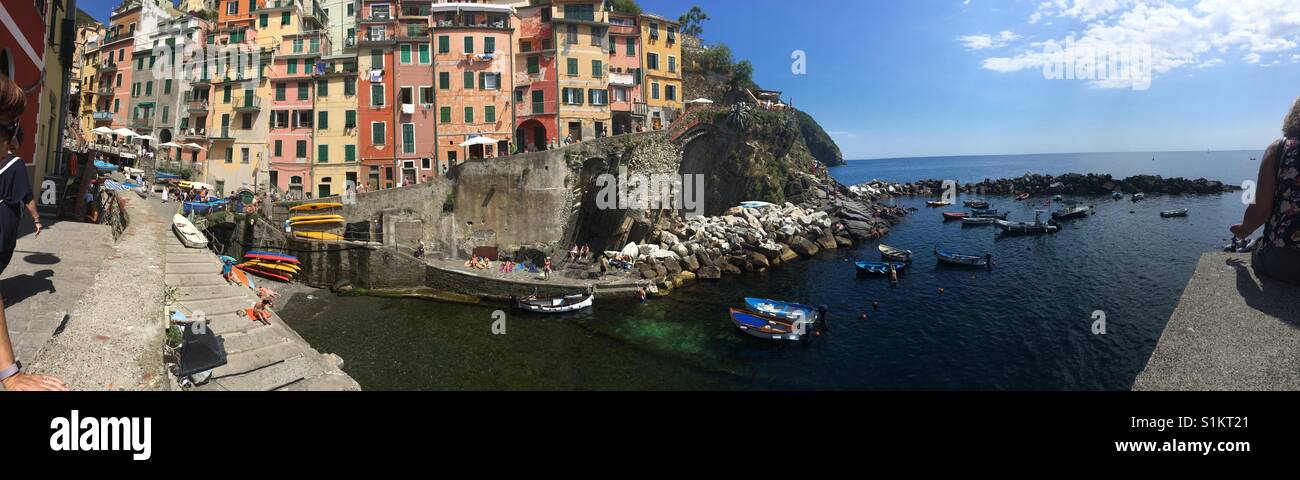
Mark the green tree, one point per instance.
(742, 76)
(692, 22)
(629, 7)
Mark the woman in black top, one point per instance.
(15, 193)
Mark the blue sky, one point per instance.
(954, 77)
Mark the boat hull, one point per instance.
(896, 254)
(951, 258)
(787, 310)
(879, 268)
(565, 304)
(189, 235)
(764, 327)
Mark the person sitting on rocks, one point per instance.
(573, 252)
(1277, 196)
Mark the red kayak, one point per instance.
(265, 273)
(953, 215)
(275, 257)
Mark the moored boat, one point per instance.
(987, 213)
(1037, 226)
(893, 253)
(937, 203)
(765, 327)
(787, 310)
(949, 216)
(556, 304)
(1070, 212)
(1023, 196)
(189, 235)
(1138, 197)
(864, 266)
(978, 220)
(954, 258)
(976, 203)
(1116, 195)
(1181, 212)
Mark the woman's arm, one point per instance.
(36, 217)
(1257, 213)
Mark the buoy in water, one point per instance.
(875, 305)
(941, 290)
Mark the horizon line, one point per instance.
(1044, 153)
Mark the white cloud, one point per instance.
(1192, 34)
(986, 41)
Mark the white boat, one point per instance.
(1037, 226)
(560, 304)
(188, 233)
(756, 204)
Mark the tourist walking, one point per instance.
(1277, 199)
(16, 195)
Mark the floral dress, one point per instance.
(1283, 227)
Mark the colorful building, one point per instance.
(88, 73)
(293, 32)
(663, 70)
(239, 151)
(474, 77)
(337, 161)
(581, 32)
(626, 102)
(535, 80)
(377, 24)
(172, 41)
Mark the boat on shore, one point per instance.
(879, 268)
(556, 304)
(787, 310)
(189, 235)
(1037, 226)
(892, 253)
(954, 258)
(270, 256)
(1181, 212)
(312, 207)
(763, 326)
(202, 207)
(756, 204)
(1068, 213)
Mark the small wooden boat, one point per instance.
(264, 255)
(765, 327)
(323, 236)
(978, 220)
(1023, 196)
(202, 207)
(896, 254)
(189, 234)
(982, 213)
(312, 207)
(557, 304)
(1138, 197)
(960, 259)
(1070, 213)
(864, 266)
(937, 203)
(786, 310)
(1182, 212)
(1037, 226)
(976, 203)
(950, 216)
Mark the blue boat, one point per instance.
(786, 310)
(102, 165)
(761, 326)
(202, 207)
(164, 175)
(878, 267)
(960, 259)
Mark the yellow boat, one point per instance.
(309, 218)
(283, 267)
(319, 236)
(311, 207)
(318, 222)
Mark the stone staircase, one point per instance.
(260, 357)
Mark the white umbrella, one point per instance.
(146, 138)
(126, 132)
(194, 146)
(701, 100)
(170, 144)
(103, 131)
(478, 141)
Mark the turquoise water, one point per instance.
(1024, 325)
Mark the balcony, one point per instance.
(108, 67)
(102, 116)
(275, 5)
(222, 133)
(414, 34)
(104, 91)
(622, 79)
(376, 17)
(139, 124)
(640, 108)
(377, 38)
(247, 104)
(193, 134)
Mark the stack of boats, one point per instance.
(275, 266)
(310, 222)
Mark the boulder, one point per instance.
(648, 249)
(690, 263)
(630, 250)
(667, 238)
(827, 240)
(729, 269)
(709, 273)
(787, 254)
(686, 276)
(758, 260)
(844, 242)
(803, 247)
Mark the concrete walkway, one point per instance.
(1232, 330)
(47, 276)
(260, 357)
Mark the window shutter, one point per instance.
(322, 153)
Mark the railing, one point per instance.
(197, 106)
(194, 134)
(247, 103)
(222, 133)
(102, 116)
(377, 36)
(640, 108)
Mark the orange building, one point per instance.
(377, 24)
(626, 103)
(474, 77)
(536, 94)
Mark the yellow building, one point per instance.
(238, 153)
(336, 160)
(87, 69)
(53, 115)
(662, 87)
(580, 29)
